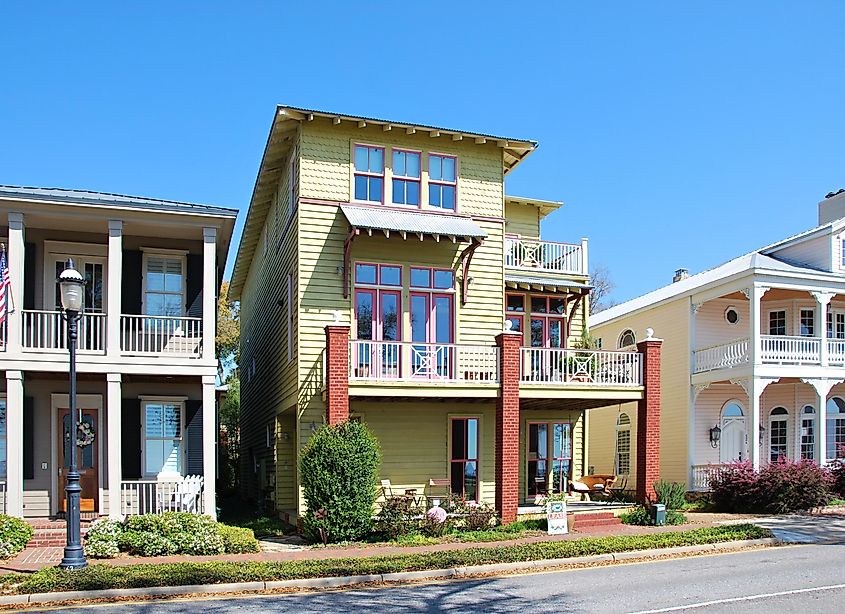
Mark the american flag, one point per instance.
(4, 286)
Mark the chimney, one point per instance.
(832, 207)
(680, 275)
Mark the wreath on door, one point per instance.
(84, 435)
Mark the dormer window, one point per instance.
(369, 173)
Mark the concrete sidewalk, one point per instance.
(827, 528)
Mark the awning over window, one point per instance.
(545, 284)
(413, 223)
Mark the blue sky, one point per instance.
(677, 134)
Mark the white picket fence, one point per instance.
(158, 496)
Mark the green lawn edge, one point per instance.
(104, 576)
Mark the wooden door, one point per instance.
(87, 458)
(732, 444)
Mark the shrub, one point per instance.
(396, 517)
(479, 517)
(14, 535)
(339, 469)
(435, 523)
(778, 488)
(237, 540)
(145, 543)
(102, 541)
(640, 516)
(837, 476)
(671, 494)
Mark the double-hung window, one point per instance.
(808, 322)
(164, 286)
(163, 438)
(442, 181)
(836, 325)
(369, 173)
(406, 177)
(777, 322)
(463, 461)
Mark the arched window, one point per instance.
(732, 409)
(778, 434)
(623, 445)
(808, 432)
(627, 339)
(836, 428)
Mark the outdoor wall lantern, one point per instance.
(715, 435)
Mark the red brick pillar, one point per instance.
(648, 421)
(337, 374)
(507, 427)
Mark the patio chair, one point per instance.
(386, 490)
(438, 491)
(596, 484)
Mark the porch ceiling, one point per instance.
(569, 404)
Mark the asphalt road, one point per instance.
(806, 579)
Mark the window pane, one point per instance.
(516, 303)
(365, 273)
(361, 158)
(443, 319)
(538, 305)
(434, 195)
(364, 314)
(435, 167)
(516, 324)
(419, 318)
(172, 458)
(444, 279)
(412, 165)
(448, 169)
(376, 160)
(399, 192)
(155, 275)
(172, 426)
(554, 333)
(472, 438)
(413, 193)
(391, 275)
(376, 188)
(459, 434)
(447, 200)
(556, 305)
(542, 442)
(2, 417)
(389, 316)
(154, 455)
(457, 478)
(399, 162)
(360, 187)
(471, 481)
(420, 278)
(154, 415)
(537, 333)
(173, 305)
(173, 276)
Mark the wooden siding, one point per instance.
(286, 459)
(670, 322)
(522, 220)
(712, 328)
(815, 253)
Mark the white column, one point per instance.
(209, 292)
(115, 268)
(14, 443)
(755, 296)
(113, 407)
(822, 302)
(693, 313)
(209, 445)
(15, 255)
(755, 391)
(822, 388)
(584, 262)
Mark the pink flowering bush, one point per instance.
(837, 473)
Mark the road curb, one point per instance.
(404, 576)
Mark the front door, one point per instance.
(732, 443)
(87, 451)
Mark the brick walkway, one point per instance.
(33, 559)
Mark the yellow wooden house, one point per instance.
(384, 275)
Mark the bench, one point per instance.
(595, 484)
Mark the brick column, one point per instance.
(507, 427)
(337, 374)
(648, 421)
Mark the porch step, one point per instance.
(595, 519)
(52, 533)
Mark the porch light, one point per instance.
(715, 435)
(71, 284)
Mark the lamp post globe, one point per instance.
(72, 288)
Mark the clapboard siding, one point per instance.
(522, 220)
(814, 253)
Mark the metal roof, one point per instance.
(106, 199)
(559, 283)
(412, 222)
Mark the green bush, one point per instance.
(339, 469)
(671, 494)
(641, 516)
(14, 535)
(102, 541)
(397, 517)
(480, 517)
(97, 577)
(237, 540)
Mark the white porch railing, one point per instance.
(836, 352)
(721, 356)
(142, 334)
(702, 474)
(790, 350)
(579, 367)
(47, 330)
(544, 256)
(3, 497)
(405, 361)
(155, 497)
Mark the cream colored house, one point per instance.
(379, 266)
(146, 362)
(753, 358)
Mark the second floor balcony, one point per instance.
(774, 350)
(546, 256)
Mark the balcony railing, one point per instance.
(790, 350)
(581, 367)
(836, 352)
(545, 256)
(387, 361)
(155, 496)
(721, 356)
(142, 334)
(47, 330)
(702, 475)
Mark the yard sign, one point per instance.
(556, 516)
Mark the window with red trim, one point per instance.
(442, 181)
(548, 321)
(378, 319)
(549, 459)
(406, 177)
(463, 458)
(369, 173)
(515, 311)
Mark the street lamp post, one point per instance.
(72, 284)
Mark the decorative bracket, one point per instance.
(822, 386)
(699, 388)
(347, 258)
(822, 296)
(466, 258)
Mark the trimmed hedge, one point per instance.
(14, 535)
(238, 540)
(98, 577)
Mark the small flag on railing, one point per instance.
(4, 285)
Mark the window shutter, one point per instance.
(130, 438)
(193, 438)
(193, 283)
(28, 276)
(131, 282)
(28, 438)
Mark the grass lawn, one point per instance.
(100, 576)
(236, 513)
